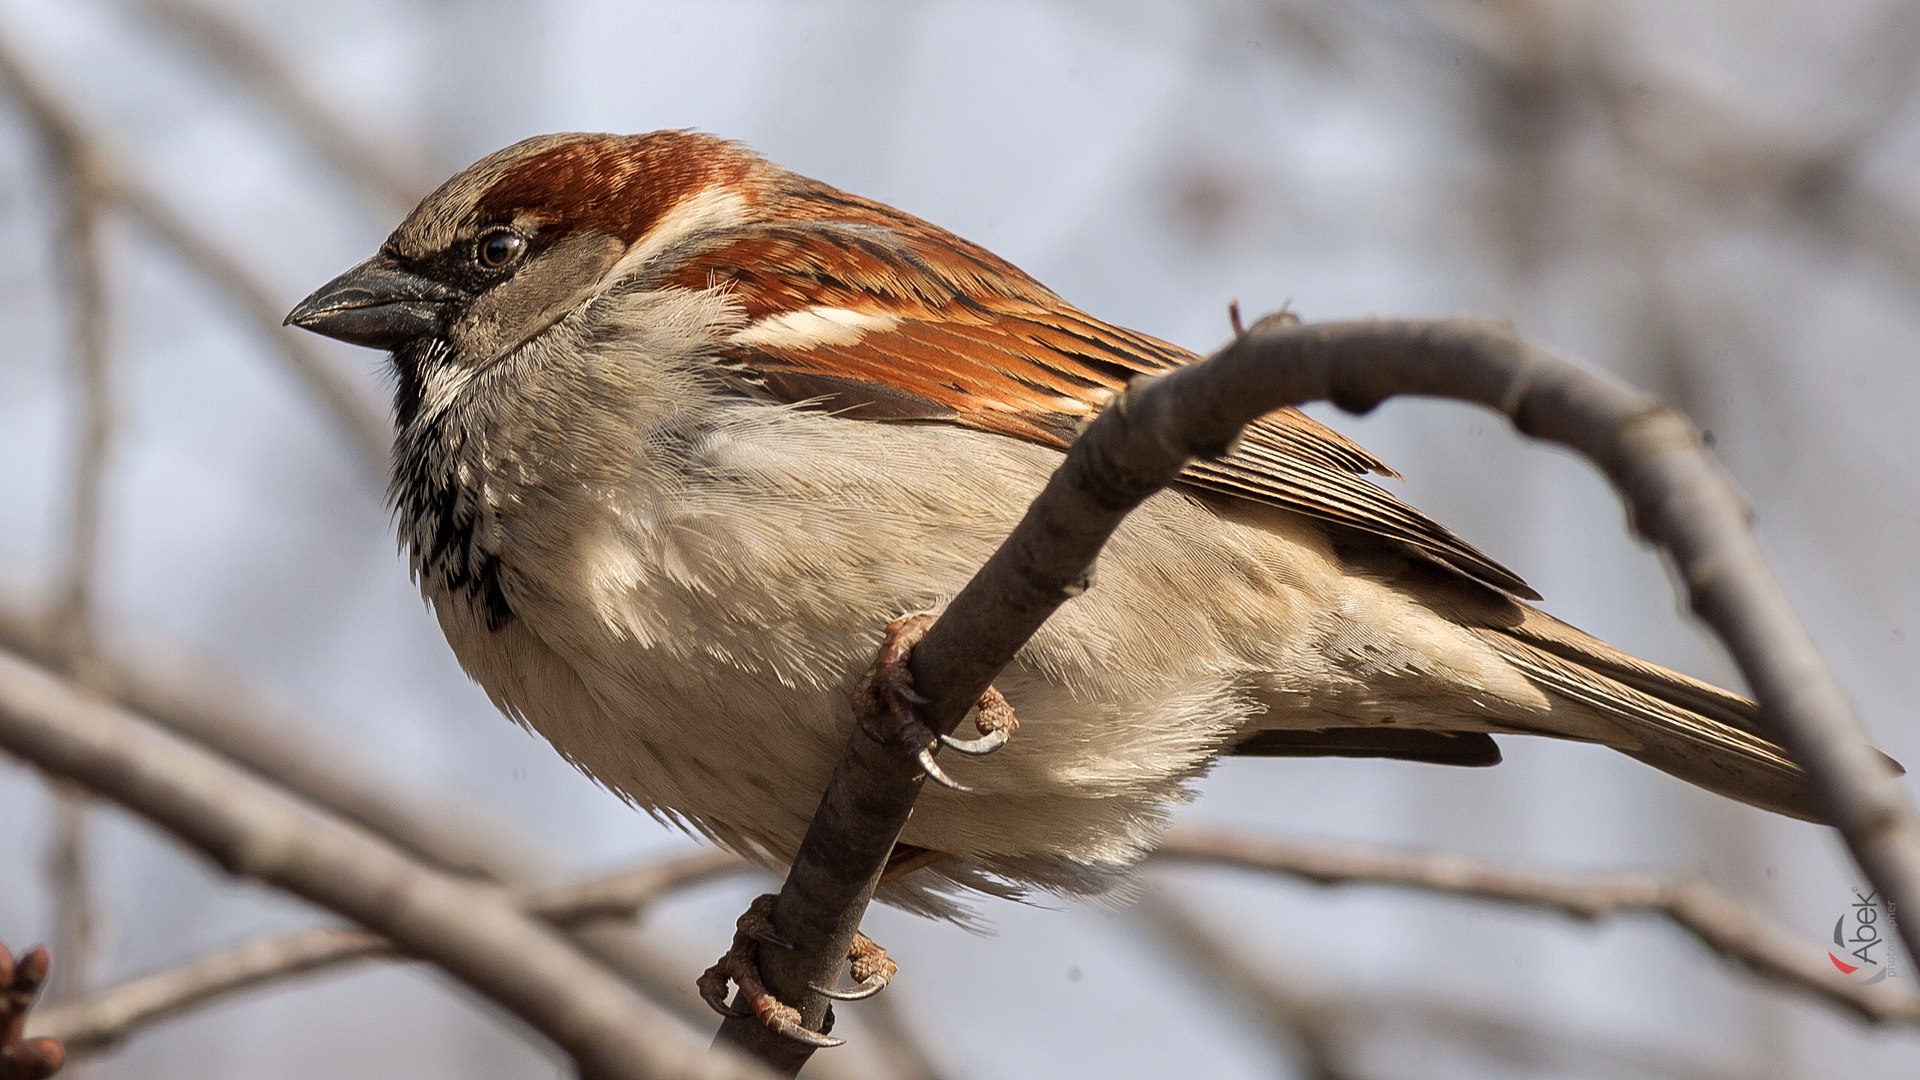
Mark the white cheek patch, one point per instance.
(705, 210)
(815, 326)
(442, 385)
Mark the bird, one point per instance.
(678, 431)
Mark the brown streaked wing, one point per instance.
(975, 342)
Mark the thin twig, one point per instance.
(1730, 161)
(386, 173)
(72, 891)
(1680, 498)
(471, 929)
(105, 1018)
(900, 1048)
(1717, 921)
(1304, 1018)
(361, 419)
(77, 918)
(1331, 1027)
(201, 701)
(80, 250)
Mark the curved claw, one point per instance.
(713, 991)
(725, 1008)
(980, 747)
(938, 775)
(804, 1035)
(766, 936)
(859, 991)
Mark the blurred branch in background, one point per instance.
(199, 701)
(82, 252)
(71, 620)
(1717, 921)
(1809, 181)
(103, 1019)
(1329, 1032)
(362, 420)
(1549, 77)
(192, 698)
(391, 173)
(470, 929)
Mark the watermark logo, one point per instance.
(1862, 950)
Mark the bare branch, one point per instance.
(1679, 496)
(902, 1052)
(362, 420)
(387, 173)
(99, 1021)
(196, 699)
(1729, 159)
(1328, 1026)
(105, 1018)
(1306, 1020)
(1717, 921)
(359, 417)
(471, 929)
(81, 251)
(70, 624)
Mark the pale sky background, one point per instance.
(1150, 162)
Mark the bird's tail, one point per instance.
(1679, 725)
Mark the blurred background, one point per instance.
(1714, 199)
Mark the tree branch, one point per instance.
(1679, 496)
(471, 929)
(1731, 162)
(196, 699)
(1307, 1021)
(1717, 921)
(105, 1018)
(71, 622)
(391, 175)
(1327, 1028)
(362, 420)
(208, 705)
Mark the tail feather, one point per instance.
(1668, 732)
(1549, 634)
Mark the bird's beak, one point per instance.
(377, 304)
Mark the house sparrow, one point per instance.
(680, 430)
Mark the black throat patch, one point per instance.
(439, 513)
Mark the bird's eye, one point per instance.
(498, 248)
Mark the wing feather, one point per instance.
(936, 329)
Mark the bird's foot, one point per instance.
(995, 721)
(741, 967)
(870, 967)
(887, 691)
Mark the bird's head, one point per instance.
(512, 244)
